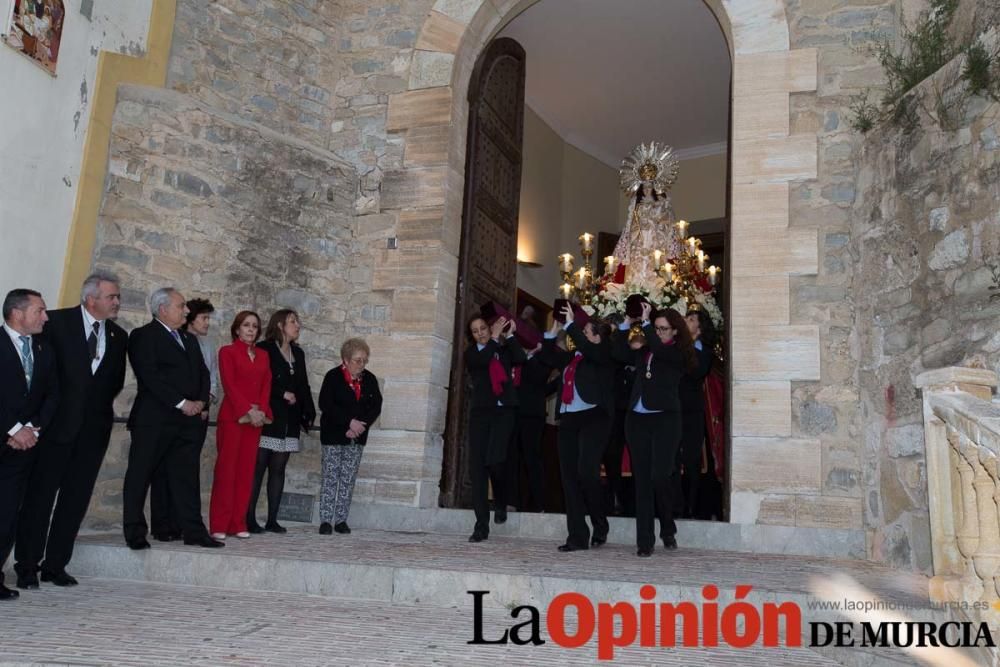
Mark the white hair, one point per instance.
(160, 298)
(92, 285)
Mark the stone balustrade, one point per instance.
(962, 437)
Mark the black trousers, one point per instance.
(57, 498)
(582, 439)
(613, 459)
(177, 446)
(653, 440)
(161, 513)
(692, 443)
(526, 448)
(15, 470)
(490, 432)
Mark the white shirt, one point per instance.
(88, 328)
(15, 338)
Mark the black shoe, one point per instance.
(275, 527)
(325, 528)
(342, 528)
(28, 580)
(670, 542)
(204, 541)
(138, 544)
(166, 537)
(500, 516)
(478, 537)
(571, 547)
(597, 541)
(60, 578)
(8, 594)
(254, 528)
(644, 552)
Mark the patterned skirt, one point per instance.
(279, 444)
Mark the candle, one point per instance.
(713, 274)
(566, 262)
(585, 240)
(581, 278)
(609, 265)
(682, 228)
(566, 289)
(668, 271)
(692, 244)
(657, 259)
(701, 260)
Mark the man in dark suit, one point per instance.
(165, 422)
(29, 394)
(90, 352)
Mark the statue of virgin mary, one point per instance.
(646, 176)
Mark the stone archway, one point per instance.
(768, 353)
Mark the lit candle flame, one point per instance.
(566, 290)
(609, 265)
(713, 274)
(566, 262)
(682, 227)
(581, 278)
(585, 240)
(657, 259)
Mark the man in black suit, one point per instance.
(29, 394)
(90, 352)
(165, 421)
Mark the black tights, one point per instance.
(274, 464)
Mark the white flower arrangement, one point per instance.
(611, 297)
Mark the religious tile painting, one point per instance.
(34, 28)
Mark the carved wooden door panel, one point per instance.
(488, 262)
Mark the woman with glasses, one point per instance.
(350, 401)
(653, 423)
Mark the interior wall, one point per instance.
(565, 192)
(44, 121)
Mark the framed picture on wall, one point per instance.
(34, 29)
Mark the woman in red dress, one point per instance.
(245, 371)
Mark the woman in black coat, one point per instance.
(586, 408)
(653, 423)
(490, 358)
(293, 409)
(350, 401)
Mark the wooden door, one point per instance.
(488, 261)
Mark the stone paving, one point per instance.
(106, 622)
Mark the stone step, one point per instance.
(438, 570)
(709, 535)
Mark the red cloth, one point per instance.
(245, 381)
(233, 480)
(715, 427)
(353, 383)
(516, 374)
(498, 376)
(569, 376)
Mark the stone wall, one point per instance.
(924, 229)
(229, 210)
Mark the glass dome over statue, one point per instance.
(646, 176)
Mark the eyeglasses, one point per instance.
(664, 329)
(359, 360)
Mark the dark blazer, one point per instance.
(288, 419)
(692, 395)
(166, 375)
(18, 403)
(477, 363)
(534, 387)
(595, 375)
(661, 390)
(82, 393)
(339, 407)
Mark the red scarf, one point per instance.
(353, 383)
(569, 376)
(498, 376)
